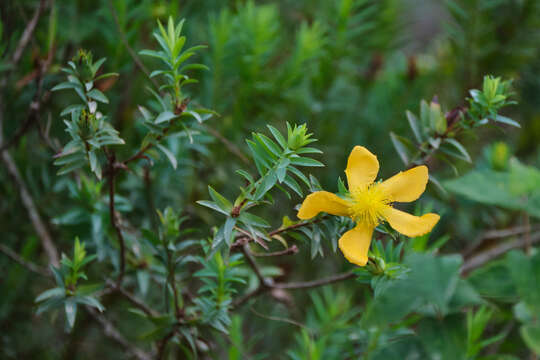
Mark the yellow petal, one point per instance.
(362, 167)
(408, 224)
(323, 201)
(406, 186)
(354, 244)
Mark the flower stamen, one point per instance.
(368, 203)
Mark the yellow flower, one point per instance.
(369, 203)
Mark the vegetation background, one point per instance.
(349, 70)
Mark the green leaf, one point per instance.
(502, 189)
(169, 155)
(220, 200)
(531, 337)
(401, 145)
(97, 65)
(98, 96)
(55, 292)
(70, 308)
(65, 85)
(443, 338)
(293, 184)
(193, 114)
(428, 289)
(164, 116)
(107, 75)
(250, 219)
(267, 182)
(277, 135)
(304, 161)
(460, 148)
(212, 205)
(90, 301)
(228, 229)
(413, 123)
(271, 146)
(507, 121)
(71, 108)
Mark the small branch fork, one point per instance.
(108, 328)
(482, 258)
(266, 284)
(110, 331)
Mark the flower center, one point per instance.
(368, 204)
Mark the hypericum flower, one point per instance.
(369, 203)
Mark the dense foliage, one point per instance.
(154, 155)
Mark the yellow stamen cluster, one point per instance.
(367, 204)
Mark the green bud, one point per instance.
(499, 155)
(298, 137)
(437, 119)
(84, 62)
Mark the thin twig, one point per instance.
(229, 145)
(114, 221)
(27, 34)
(289, 251)
(244, 298)
(498, 234)
(162, 345)
(314, 283)
(111, 332)
(292, 286)
(35, 105)
(285, 320)
(109, 329)
(27, 264)
(486, 256)
(251, 261)
(132, 299)
(29, 204)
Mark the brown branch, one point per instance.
(497, 234)
(35, 105)
(285, 320)
(486, 256)
(113, 286)
(162, 345)
(27, 264)
(27, 34)
(314, 283)
(109, 329)
(29, 204)
(244, 298)
(228, 144)
(111, 332)
(114, 221)
(264, 282)
(289, 251)
(20, 131)
(292, 286)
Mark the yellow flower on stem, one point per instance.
(370, 203)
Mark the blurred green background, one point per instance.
(349, 69)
